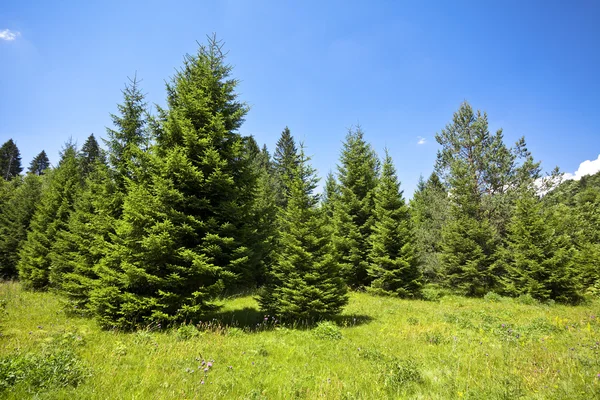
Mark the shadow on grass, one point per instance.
(251, 319)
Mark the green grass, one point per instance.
(379, 348)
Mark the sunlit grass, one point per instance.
(379, 348)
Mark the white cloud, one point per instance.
(421, 140)
(588, 167)
(9, 35)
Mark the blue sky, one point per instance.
(400, 69)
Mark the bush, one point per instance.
(186, 332)
(527, 299)
(492, 297)
(328, 330)
(433, 293)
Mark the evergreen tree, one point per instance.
(189, 229)
(394, 262)
(90, 154)
(264, 212)
(10, 160)
(285, 162)
(304, 282)
(39, 164)
(330, 197)
(429, 211)
(484, 177)
(537, 260)
(79, 247)
(353, 214)
(14, 222)
(129, 141)
(51, 217)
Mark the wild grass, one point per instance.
(450, 348)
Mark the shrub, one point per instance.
(492, 297)
(527, 299)
(186, 332)
(328, 330)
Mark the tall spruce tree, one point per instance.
(393, 257)
(330, 196)
(264, 212)
(285, 162)
(188, 230)
(10, 160)
(90, 154)
(15, 218)
(129, 142)
(304, 282)
(353, 214)
(39, 164)
(429, 211)
(537, 260)
(51, 217)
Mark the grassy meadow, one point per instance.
(451, 348)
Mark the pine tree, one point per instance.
(429, 211)
(304, 282)
(285, 162)
(14, 222)
(353, 215)
(484, 177)
(90, 154)
(50, 217)
(10, 160)
(189, 229)
(393, 259)
(39, 164)
(537, 260)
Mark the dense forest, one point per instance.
(177, 208)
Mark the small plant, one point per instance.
(186, 332)
(492, 297)
(432, 293)
(527, 300)
(328, 330)
(412, 321)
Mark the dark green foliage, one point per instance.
(285, 162)
(330, 197)
(264, 213)
(430, 208)
(189, 228)
(130, 140)
(353, 214)
(15, 218)
(10, 160)
(538, 261)
(469, 255)
(39, 164)
(85, 241)
(90, 154)
(484, 177)
(393, 259)
(51, 217)
(304, 281)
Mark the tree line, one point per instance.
(178, 208)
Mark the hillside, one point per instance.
(379, 347)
